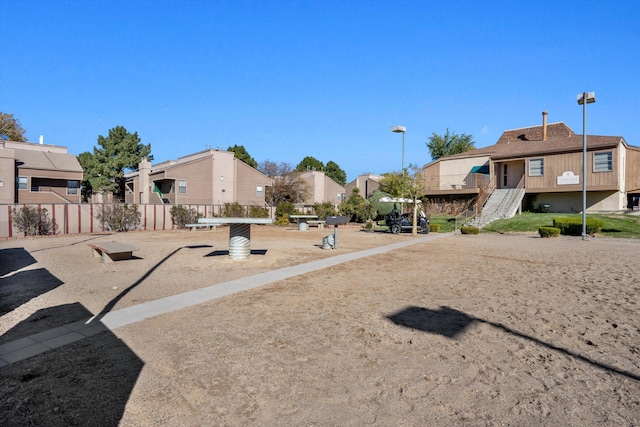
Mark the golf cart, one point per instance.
(398, 222)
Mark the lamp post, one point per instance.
(584, 99)
(403, 130)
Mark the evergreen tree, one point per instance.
(119, 152)
(310, 164)
(241, 153)
(333, 171)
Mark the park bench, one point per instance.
(112, 251)
(318, 223)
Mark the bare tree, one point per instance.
(288, 184)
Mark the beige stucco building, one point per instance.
(212, 177)
(38, 173)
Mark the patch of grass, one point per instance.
(622, 226)
(447, 222)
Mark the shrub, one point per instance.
(282, 220)
(573, 226)
(323, 210)
(285, 208)
(233, 210)
(435, 227)
(258, 212)
(467, 229)
(181, 215)
(549, 231)
(33, 221)
(119, 217)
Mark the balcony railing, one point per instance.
(457, 182)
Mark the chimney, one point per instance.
(544, 125)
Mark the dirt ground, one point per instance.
(486, 330)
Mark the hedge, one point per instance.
(573, 226)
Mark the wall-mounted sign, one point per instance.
(568, 178)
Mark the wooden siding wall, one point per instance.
(81, 218)
(555, 166)
(633, 170)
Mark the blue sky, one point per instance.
(328, 79)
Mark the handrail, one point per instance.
(508, 201)
(485, 193)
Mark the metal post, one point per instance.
(402, 190)
(584, 165)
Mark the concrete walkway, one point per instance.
(33, 345)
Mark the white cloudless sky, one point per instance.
(328, 79)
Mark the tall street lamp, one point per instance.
(584, 99)
(403, 130)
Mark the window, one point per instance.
(182, 186)
(22, 183)
(602, 162)
(72, 187)
(258, 191)
(536, 167)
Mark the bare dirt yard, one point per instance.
(485, 330)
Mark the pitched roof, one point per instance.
(47, 160)
(527, 142)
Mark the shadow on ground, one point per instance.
(49, 390)
(451, 323)
(19, 287)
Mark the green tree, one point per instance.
(287, 185)
(392, 183)
(118, 152)
(357, 207)
(11, 129)
(310, 164)
(241, 153)
(333, 171)
(449, 144)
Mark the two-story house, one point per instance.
(38, 173)
(212, 177)
(542, 166)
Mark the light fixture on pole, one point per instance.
(403, 130)
(584, 99)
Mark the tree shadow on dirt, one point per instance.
(86, 382)
(451, 323)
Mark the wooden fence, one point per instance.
(81, 218)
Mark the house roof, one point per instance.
(47, 160)
(527, 142)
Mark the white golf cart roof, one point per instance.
(397, 200)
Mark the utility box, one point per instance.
(336, 220)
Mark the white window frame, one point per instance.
(603, 161)
(536, 169)
(182, 186)
(259, 191)
(23, 183)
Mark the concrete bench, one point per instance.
(112, 251)
(194, 227)
(318, 223)
(303, 220)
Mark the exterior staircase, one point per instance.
(502, 204)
